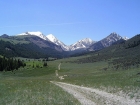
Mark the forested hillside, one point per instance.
(23, 47)
(120, 56)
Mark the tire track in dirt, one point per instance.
(78, 95)
(90, 96)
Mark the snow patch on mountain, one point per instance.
(57, 42)
(49, 37)
(106, 42)
(82, 44)
(38, 33)
(125, 38)
(109, 40)
(52, 38)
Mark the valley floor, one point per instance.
(31, 85)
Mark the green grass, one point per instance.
(93, 75)
(16, 41)
(33, 92)
(31, 86)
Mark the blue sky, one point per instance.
(71, 20)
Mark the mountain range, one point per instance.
(48, 45)
(78, 45)
(86, 43)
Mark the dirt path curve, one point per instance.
(90, 96)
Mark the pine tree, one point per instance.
(45, 64)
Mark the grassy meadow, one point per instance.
(94, 75)
(31, 85)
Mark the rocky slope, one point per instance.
(106, 42)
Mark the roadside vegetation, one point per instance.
(121, 82)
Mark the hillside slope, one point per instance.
(28, 46)
(106, 42)
(124, 55)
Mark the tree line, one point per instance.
(10, 64)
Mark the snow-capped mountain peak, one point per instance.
(125, 38)
(52, 38)
(87, 40)
(110, 39)
(84, 43)
(38, 33)
(106, 42)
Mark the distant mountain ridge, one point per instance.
(29, 46)
(84, 44)
(58, 42)
(38, 33)
(106, 42)
(49, 37)
(81, 44)
(36, 44)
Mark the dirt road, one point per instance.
(90, 96)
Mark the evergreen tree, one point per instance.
(9, 64)
(45, 64)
